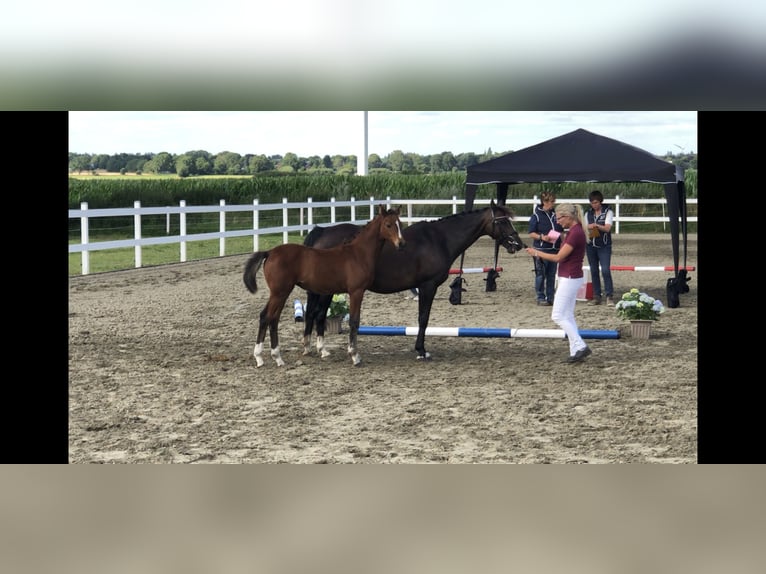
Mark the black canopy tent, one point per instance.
(582, 156)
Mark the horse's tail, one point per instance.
(313, 236)
(251, 268)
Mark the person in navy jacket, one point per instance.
(599, 248)
(541, 223)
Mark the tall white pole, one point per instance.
(361, 160)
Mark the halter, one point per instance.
(495, 220)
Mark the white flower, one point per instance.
(636, 305)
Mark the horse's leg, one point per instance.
(354, 313)
(263, 323)
(270, 318)
(323, 304)
(308, 320)
(425, 301)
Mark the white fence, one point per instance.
(306, 209)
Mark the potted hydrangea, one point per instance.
(641, 310)
(336, 312)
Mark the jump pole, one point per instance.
(585, 292)
(486, 332)
(474, 270)
(644, 268)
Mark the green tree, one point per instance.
(290, 160)
(396, 161)
(400, 162)
(99, 161)
(227, 163)
(374, 161)
(79, 162)
(163, 163)
(184, 164)
(313, 162)
(260, 163)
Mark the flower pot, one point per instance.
(640, 329)
(332, 325)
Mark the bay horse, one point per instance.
(346, 268)
(432, 247)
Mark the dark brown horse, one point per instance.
(347, 268)
(432, 247)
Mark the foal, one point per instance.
(347, 268)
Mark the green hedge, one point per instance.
(152, 192)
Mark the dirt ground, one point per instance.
(161, 371)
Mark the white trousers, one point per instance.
(563, 311)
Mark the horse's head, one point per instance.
(503, 230)
(391, 226)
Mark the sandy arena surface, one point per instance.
(161, 371)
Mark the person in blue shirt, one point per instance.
(541, 224)
(599, 248)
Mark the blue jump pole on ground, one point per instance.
(487, 332)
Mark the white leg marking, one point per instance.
(324, 353)
(257, 353)
(277, 357)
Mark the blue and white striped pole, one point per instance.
(486, 332)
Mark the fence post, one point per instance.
(454, 204)
(285, 221)
(353, 209)
(256, 236)
(222, 225)
(84, 239)
(332, 210)
(182, 230)
(372, 207)
(617, 214)
(137, 232)
(310, 211)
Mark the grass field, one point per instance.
(124, 258)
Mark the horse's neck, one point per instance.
(370, 233)
(470, 226)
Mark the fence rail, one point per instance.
(304, 213)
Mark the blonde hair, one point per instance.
(571, 209)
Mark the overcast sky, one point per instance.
(333, 132)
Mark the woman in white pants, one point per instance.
(570, 277)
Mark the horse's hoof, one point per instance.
(258, 362)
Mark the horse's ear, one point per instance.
(492, 203)
(381, 209)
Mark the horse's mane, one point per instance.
(464, 213)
